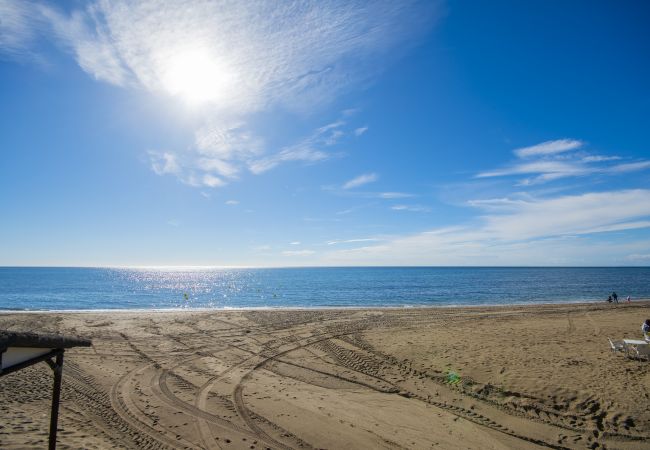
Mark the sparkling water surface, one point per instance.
(42, 288)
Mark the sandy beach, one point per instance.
(449, 378)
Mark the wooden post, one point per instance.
(57, 367)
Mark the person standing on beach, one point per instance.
(615, 297)
(609, 299)
(628, 299)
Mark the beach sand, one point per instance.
(449, 378)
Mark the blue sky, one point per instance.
(324, 133)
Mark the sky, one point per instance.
(329, 133)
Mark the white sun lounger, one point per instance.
(616, 346)
(643, 351)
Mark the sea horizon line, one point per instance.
(231, 267)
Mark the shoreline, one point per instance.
(327, 308)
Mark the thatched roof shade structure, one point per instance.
(23, 349)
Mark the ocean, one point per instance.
(49, 288)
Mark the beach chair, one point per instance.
(616, 346)
(643, 351)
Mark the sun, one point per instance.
(197, 77)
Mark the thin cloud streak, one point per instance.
(394, 195)
(361, 130)
(630, 167)
(353, 241)
(412, 208)
(309, 149)
(549, 148)
(361, 180)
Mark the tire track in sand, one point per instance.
(124, 405)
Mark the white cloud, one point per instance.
(361, 180)
(215, 139)
(557, 168)
(293, 153)
(211, 181)
(341, 190)
(630, 167)
(223, 153)
(359, 131)
(294, 243)
(269, 53)
(497, 204)
(639, 257)
(554, 160)
(549, 148)
(620, 227)
(193, 172)
(232, 202)
(352, 241)
(164, 163)
(306, 150)
(412, 208)
(218, 166)
(394, 195)
(576, 214)
(535, 231)
(597, 158)
(17, 22)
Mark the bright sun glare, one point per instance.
(197, 77)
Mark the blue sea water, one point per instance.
(42, 288)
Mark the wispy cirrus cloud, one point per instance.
(394, 195)
(361, 130)
(193, 172)
(352, 241)
(17, 28)
(599, 158)
(563, 158)
(310, 149)
(533, 231)
(572, 214)
(164, 163)
(412, 208)
(630, 167)
(563, 168)
(549, 148)
(360, 180)
(637, 257)
(226, 153)
(519, 226)
(228, 61)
